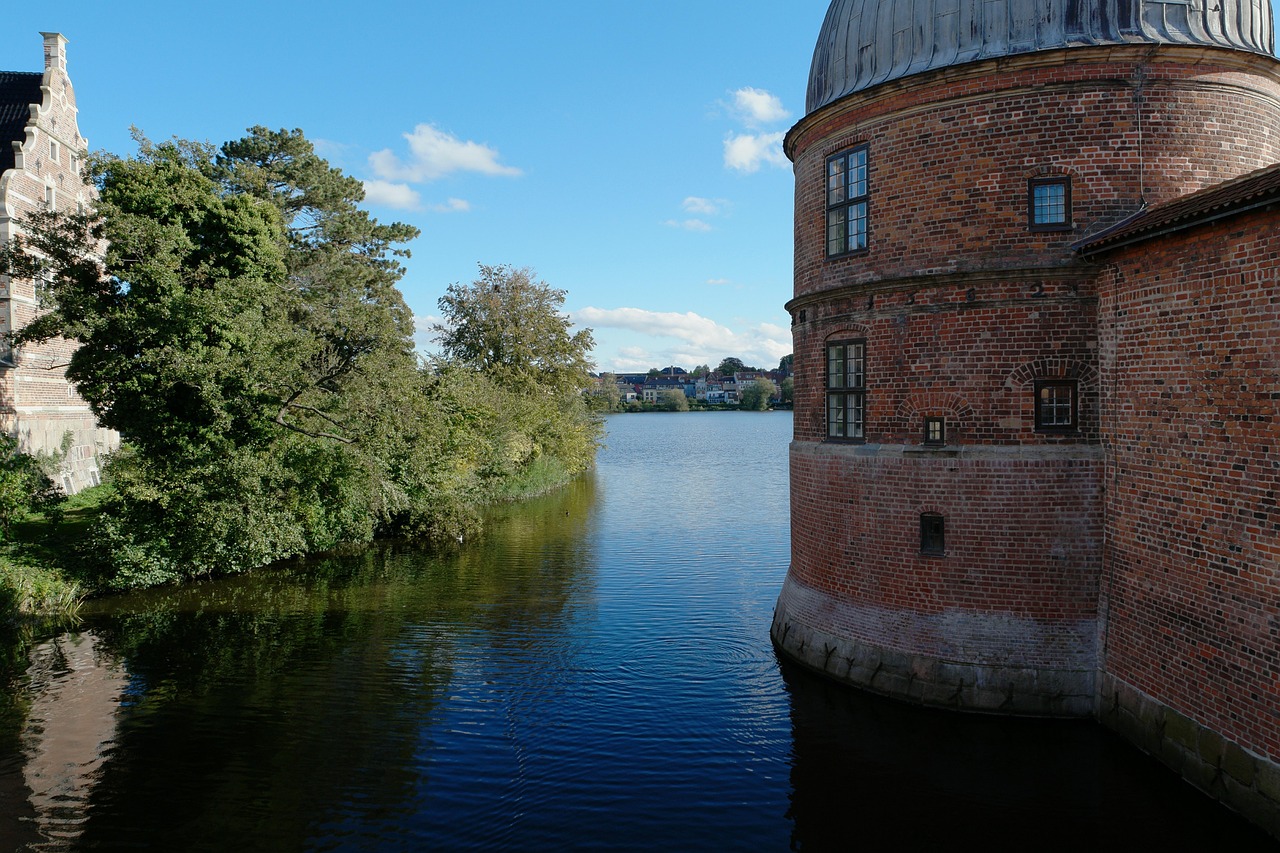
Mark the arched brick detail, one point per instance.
(847, 332)
(1053, 368)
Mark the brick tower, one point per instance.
(961, 390)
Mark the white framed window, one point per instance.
(53, 150)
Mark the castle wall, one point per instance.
(963, 308)
(1190, 382)
(37, 402)
(951, 152)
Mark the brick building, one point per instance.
(1037, 370)
(41, 158)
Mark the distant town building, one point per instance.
(1037, 370)
(41, 168)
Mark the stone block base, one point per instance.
(1242, 780)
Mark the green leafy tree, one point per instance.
(607, 397)
(757, 394)
(731, 365)
(786, 363)
(673, 400)
(244, 334)
(787, 390)
(509, 327)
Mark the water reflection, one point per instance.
(594, 674)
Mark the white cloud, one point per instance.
(390, 194)
(719, 282)
(453, 205)
(746, 152)
(705, 206)
(700, 339)
(757, 107)
(435, 154)
(688, 224)
(424, 338)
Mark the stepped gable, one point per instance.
(867, 42)
(18, 91)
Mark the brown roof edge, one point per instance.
(1255, 189)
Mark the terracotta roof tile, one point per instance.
(1252, 190)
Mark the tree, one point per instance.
(511, 327)
(508, 327)
(673, 400)
(245, 336)
(607, 397)
(786, 363)
(757, 394)
(787, 390)
(730, 366)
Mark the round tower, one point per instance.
(947, 473)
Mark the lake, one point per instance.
(594, 673)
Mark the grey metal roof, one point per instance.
(18, 91)
(866, 42)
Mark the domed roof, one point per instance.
(866, 42)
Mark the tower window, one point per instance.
(935, 432)
(933, 540)
(53, 150)
(1056, 409)
(1049, 204)
(846, 389)
(847, 202)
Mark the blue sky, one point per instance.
(628, 153)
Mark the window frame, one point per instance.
(933, 534)
(1040, 408)
(1036, 224)
(846, 202)
(850, 397)
(941, 423)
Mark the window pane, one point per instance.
(857, 226)
(1056, 405)
(855, 416)
(836, 181)
(857, 179)
(835, 415)
(836, 239)
(856, 365)
(1049, 203)
(835, 367)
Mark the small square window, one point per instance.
(1049, 204)
(1056, 409)
(935, 432)
(933, 541)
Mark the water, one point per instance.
(595, 674)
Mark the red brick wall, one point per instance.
(1190, 378)
(967, 348)
(951, 152)
(963, 307)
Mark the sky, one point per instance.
(629, 154)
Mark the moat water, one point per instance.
(596, 673)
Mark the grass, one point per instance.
(33, 559)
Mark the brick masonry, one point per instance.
(1128, 569)
(37, 403)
